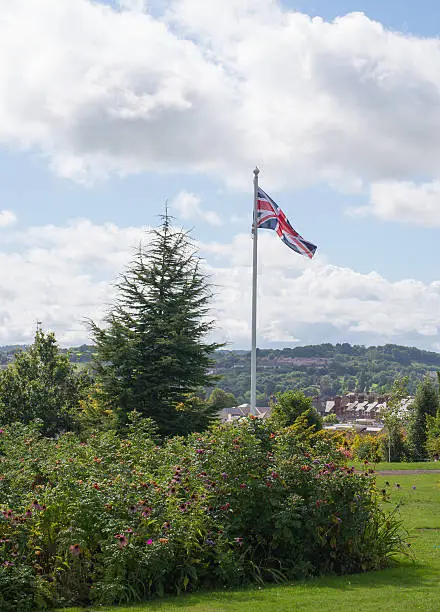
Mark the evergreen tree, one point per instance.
(42, 384)
(152, 355)
(426, 403)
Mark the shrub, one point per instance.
(368, 447)
(292, 404)
(112, 520)
(330, 419)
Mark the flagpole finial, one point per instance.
(256, 171)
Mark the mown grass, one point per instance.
(421, 465)
(411, 585)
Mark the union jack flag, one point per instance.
(270, 216)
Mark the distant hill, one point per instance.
(321, 369)
(324, 370)
(79, 354)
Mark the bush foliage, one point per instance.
(108, 520)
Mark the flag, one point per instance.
(270, 216)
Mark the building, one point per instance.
(357, 406)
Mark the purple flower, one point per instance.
(414, 487)
(224, 475)
(210, 542)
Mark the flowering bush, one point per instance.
(368, 447)
(109, 520)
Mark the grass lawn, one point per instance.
(412, 585)
(421, 465)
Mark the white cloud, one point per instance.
(188, 206)
(216, 87)
(7, 218)
(405, 201)
(296, 294)
(63, 274)
(60, 275)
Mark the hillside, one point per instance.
(322, 369)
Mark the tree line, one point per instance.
(152, 356)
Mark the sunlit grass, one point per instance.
(420, 465)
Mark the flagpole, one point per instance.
(254, 300)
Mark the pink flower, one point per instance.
(75, 549)
(121, 539)
(149, 542)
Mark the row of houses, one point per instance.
(360, 405)
(347, 408)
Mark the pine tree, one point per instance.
(152, 355)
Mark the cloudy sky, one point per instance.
(110, 108)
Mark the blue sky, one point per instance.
(111, 113)
(419, 19)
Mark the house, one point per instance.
(237, 412)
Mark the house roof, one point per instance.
(329, 405)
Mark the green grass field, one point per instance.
(421, 465)
(411, 585)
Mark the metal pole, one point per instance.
(254, 300)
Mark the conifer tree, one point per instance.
(152, 355)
